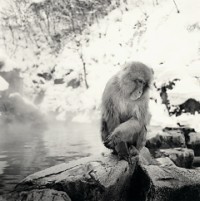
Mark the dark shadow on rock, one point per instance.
(189, 106)
(139, 187)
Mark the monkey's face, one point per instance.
(140, 85)
(136, 80)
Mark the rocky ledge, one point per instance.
(92, 178)
(108, 178)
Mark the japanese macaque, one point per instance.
(125, 114)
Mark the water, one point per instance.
(25, 150)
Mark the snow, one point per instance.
(186, 82)
(3, 84)
(189, 120)
(157, 35)
(3, 4)
(38, 1)
(160, 116)
(183, 90)
(4, 59)
(81, 118)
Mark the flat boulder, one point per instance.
(93, 178)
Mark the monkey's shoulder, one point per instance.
(112, 88)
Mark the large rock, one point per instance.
(165, 183)
(189, 106)
(182, 157)
(1, 198)
(182, 130)
(166, 139)
(196, 161)
(39, 195)
(104, 178)
(194, 142)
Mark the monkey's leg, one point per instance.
(133, 150)
(126, 132)
(123, 152)
(141, 140)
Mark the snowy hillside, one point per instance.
(152, 32)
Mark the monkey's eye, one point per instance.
(141, 81)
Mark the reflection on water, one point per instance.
(25, 150)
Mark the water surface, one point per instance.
(25, 149)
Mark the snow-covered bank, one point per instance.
(153, 33)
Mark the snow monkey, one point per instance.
(125, 109)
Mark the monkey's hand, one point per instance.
(127, 132)
(113, 140)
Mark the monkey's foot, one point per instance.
(123, 152)
(133, 151)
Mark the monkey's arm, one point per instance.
(131, 131)
(141, 140)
